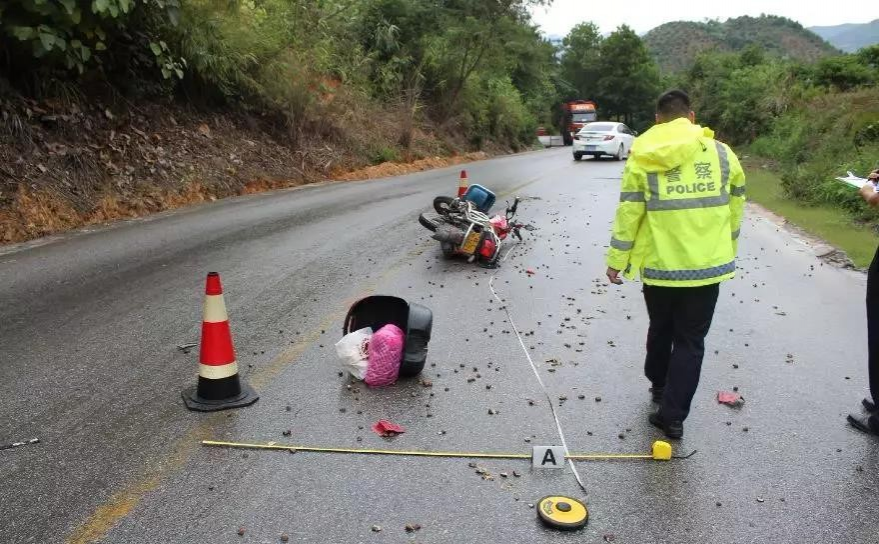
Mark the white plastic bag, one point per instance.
(353, 350)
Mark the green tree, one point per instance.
(478, 67)
(429, 52)
(869, 56)
(534, 71)
(580, 62)
(705, 81)
(844, 72)
(629, 80)
(76, 33)
(740, 97)
(752, 55)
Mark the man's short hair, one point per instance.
(673, 104)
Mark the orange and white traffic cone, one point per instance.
(218, 386)
(463, 184)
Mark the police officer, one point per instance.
(677, 226)
(870, 422)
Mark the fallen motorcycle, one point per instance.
(463, 228)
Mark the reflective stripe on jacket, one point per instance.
(680, 210)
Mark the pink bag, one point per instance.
(385, 355)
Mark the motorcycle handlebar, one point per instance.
(511, 210)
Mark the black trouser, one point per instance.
(679, 321)
(873, 331)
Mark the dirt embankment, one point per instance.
(63, 166)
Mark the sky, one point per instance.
(643, 15)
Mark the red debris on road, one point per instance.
(730, 399)
(384, 427)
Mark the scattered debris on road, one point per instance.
(734, 400)
(387, 429)
(185, 348)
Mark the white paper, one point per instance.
(857, 182)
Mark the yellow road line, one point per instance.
(519, 187)
(418, 453)
(121, 503)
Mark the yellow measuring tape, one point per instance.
(661, 452)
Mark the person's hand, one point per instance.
(874, 175)
(614, 276)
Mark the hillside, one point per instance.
(121, 108)
(675, 45)
(849, 37)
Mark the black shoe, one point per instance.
(869, 405)
(657, 393)
(862, 423)
(672, 429)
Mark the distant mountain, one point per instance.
(850, 37)
(675, 45)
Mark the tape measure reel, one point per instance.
(562, 512)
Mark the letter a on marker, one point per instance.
(548, 457)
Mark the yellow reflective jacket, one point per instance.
(681, 206)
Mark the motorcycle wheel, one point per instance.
(430, 221)
(443, 204)
(493, 262)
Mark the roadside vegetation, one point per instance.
(474, 68)
(807, 122)
(309, 63)
(119, 108)
(615, 71)
(824, 221)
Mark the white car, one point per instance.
(604, 138)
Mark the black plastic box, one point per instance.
(414, 319)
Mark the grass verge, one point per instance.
(831, 224)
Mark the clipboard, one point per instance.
(857, 182)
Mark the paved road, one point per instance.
(89, 364)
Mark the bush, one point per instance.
(815, 122)
(843, 72)
(821, 139)
(384, 154)
(493, 109)
(77, 34)
(438, 62)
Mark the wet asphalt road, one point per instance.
(89, 364)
